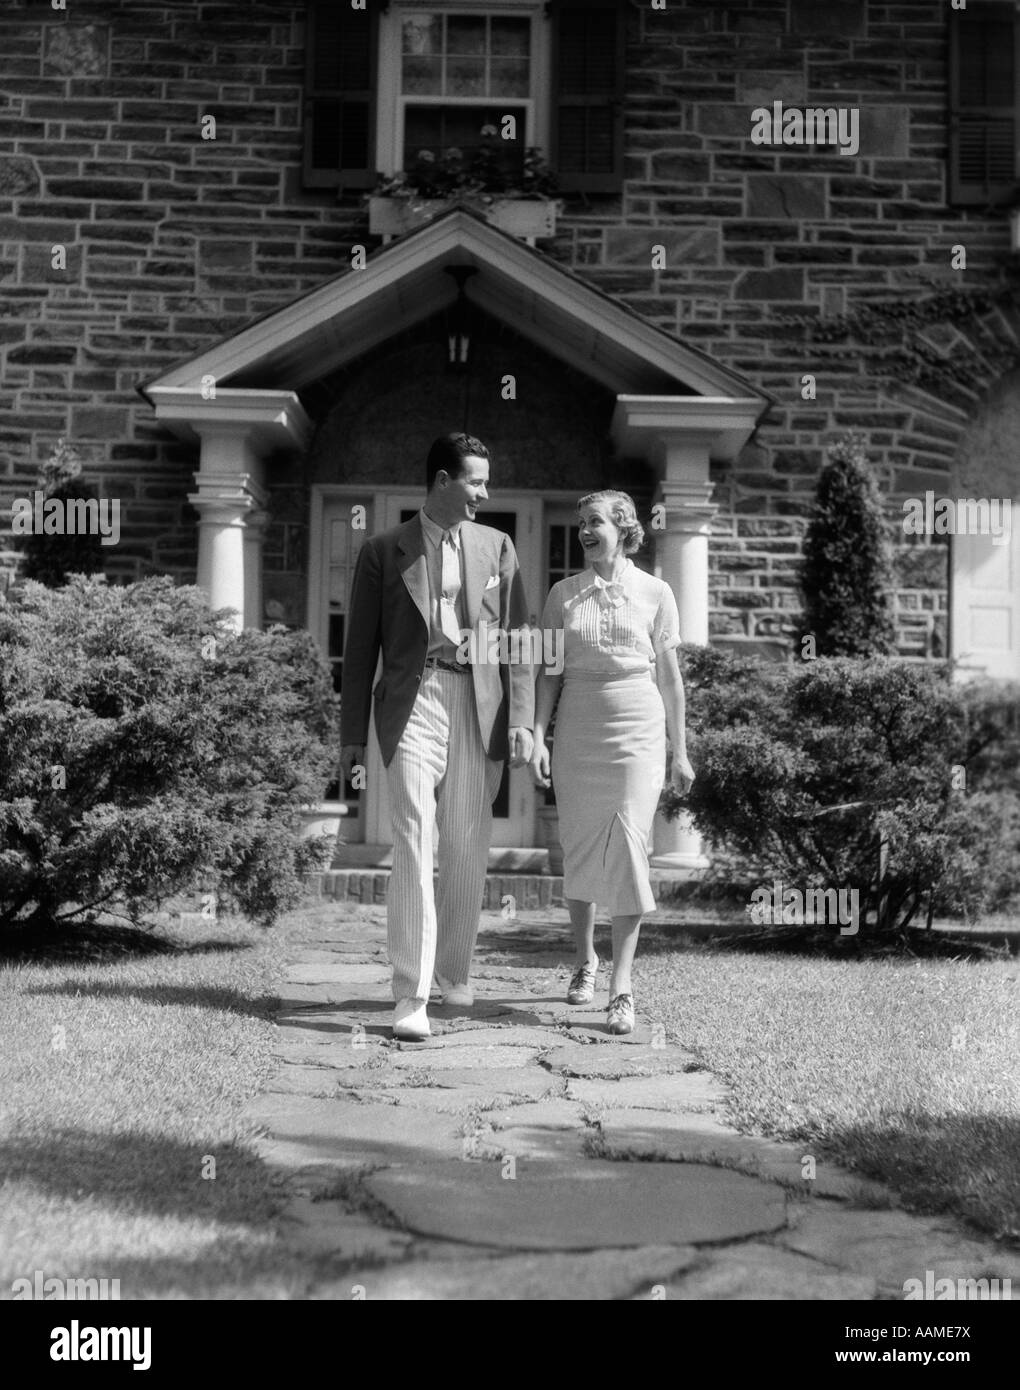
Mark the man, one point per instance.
(445, 726)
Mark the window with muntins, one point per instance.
(461, 74)
(389, 80)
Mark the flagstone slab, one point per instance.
(295, 998)
(455, 1100)
(329, 1228)
(599, 1276)
(757, 1273)
(894, 1246)
(305, 1081)
(512, 1036)
(682, 1091)
(328, 1024)
(532, 1142)
(345, 972)
(304, 1131)
(551, 1113)
(524, 1013)
(582, 1205)
(333, 1033)
(577, 1059)
(375, 1000)
(474, 1055)
(343, 1055)
(494, 1083)
(699, 1138)
(450, 1018)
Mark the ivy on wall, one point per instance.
(953, 343)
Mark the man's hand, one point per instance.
(681, 773)
(521, 746)
(351, 756)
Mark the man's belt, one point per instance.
(461, 668)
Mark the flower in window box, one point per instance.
(478, 177)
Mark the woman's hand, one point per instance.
(681, 773)
(541, 764)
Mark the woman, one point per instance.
(621, 691)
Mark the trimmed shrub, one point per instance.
(846, 572)
(992, 713)
(147, 749)
(992, 776)
(804, 772)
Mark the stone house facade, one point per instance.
(193, 294)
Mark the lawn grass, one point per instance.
(904, 1071)
(107, 1126)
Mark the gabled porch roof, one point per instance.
(403, 283)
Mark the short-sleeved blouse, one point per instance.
(611, 629)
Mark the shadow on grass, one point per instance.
(226, 1268)
(207, 996)
(827, 944)
(147, 1174)
(965, 1164)
(91, 942)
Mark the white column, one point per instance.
(229, 490)
(221, 551)
(681, 553)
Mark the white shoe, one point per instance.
(461, 995)
(411, 1020)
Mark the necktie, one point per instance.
(451, 588)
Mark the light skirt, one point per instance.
(608, 770)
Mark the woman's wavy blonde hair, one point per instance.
(622, 513)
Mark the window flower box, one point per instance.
(527, 218)
(519, 200)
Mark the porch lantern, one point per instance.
(458, 320)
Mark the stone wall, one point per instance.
(174, 241)
(755, 236)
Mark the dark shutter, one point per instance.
(983, 130)
(588, 78)
(340, 82)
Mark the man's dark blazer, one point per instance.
(389, 612)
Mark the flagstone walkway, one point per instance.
(524, 1152)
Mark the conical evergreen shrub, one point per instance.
(847, 570)
(50, 558)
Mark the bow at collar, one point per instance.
(609, 595)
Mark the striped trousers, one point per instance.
(438, 777)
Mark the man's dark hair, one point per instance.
(449, 452)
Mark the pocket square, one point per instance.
(492, 581)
